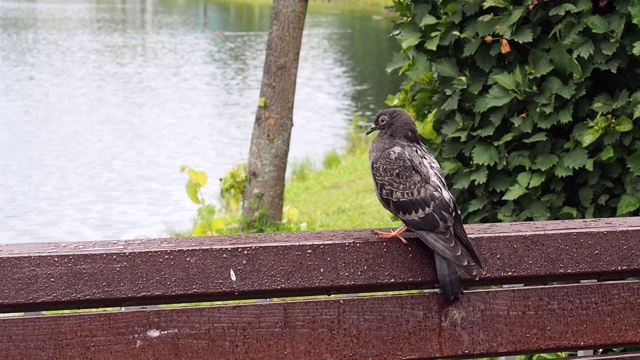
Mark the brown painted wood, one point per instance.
(116, 273)
(489, 322)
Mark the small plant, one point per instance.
(206, 223)
(232, 187)
(211, 220)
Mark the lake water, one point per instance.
(102, 101)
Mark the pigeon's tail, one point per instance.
(449, 278)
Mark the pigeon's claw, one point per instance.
(392, 234)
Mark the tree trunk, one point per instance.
(267, 164)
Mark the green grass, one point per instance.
(336, 193)
(341, 195)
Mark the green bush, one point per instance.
(529, 106)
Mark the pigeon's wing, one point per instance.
(409, 183)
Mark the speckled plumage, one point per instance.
(410, 184)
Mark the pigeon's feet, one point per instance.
(392, 234)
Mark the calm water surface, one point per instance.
(102, 101)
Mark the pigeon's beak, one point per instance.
(371, 129)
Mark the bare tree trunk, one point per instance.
(263, 195)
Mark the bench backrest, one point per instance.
(268, 295)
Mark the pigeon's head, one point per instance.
(396, 123)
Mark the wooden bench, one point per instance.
(270, 296)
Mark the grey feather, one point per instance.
(449, 278)
(410, 184)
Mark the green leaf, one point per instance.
(428, 19)
(608, 48)
(633, 163)
(589, 164)
(446, 67)
(485, 131)
(519, 158)
(562, 9)
(565, 62)
(397, 61)
(497, 96)
(607, 153)
(192, 191)
(634, 10)
(562, 171)
(541, 63)
(486, 24)
(624, 124)
(514, 192)
(471, 46)
(451, 149)
(409, 35)
(636, 48)
(460, 83)
(198, 177)
(628, 203)
(566, 114)
(425, 128)
(535, 138)
(586, 195)
(461, 180)
(523, 34)
(506, 212)
(568, 212)
(217, 224)
(545, 161)
(432, 42)
(524, 178)
(585, 50)
(497, 3)
(484, 154)
(597, 24)
(475, 204)
(537, 178)
(636, 112)
(450, 165)
(553, 85)
(452, 101)
(539, 210)
(505, 138)
(576, 158)
(590, 135)
(419, 68)
(479, 175)
(506, 80)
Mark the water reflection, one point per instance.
(102, 101)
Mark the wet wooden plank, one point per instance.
(488, 322)
(95, 274)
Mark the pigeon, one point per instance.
(410, 184)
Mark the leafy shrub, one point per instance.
(530, 106)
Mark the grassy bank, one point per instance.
(340, 195)
(337, 194)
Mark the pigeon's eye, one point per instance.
(383, 120)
